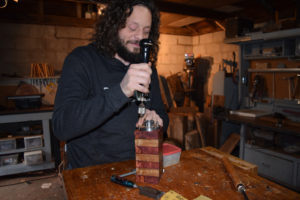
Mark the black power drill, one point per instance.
(145, 45)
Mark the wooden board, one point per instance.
(197, 173)
(250, 112)
(244, 165)
(177, 128)
(230, 143)
(192, 140)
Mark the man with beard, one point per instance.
(95, 110)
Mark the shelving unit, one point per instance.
(274, 70)
(77, 14)
(37, 115)
(277, 55)
(273, 49)
(289, 73)
(280, 62)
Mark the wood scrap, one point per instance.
(163, 94)
(177, 89)
(236, 161)
(192, 140)
(177, 127)
(230, 143)
(41, 70)
(199, 118)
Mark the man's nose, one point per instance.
(139, 34)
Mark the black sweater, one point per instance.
(91, 112)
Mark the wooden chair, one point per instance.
(182, 118)
(196, 138)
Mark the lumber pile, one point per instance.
(41, 70)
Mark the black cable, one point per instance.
(245, 195)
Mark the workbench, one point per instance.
(267, 123)
(197, 173)
(274, 164)
(43, 114)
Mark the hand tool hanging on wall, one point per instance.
(291, 85)
(296, 94)
(145, 45)
(234, 177)
(232, 65)
(258, 89)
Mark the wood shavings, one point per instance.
(46, 185)
(84, 177)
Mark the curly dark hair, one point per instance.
(114, 18)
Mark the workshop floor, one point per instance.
(46, 185)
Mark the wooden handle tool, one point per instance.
(234, 177)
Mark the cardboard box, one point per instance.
(236, 27)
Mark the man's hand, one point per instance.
(150, 115)
(138, 77)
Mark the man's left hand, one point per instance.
(150, 115)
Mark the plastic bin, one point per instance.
(11, 159)
(33, 142)
(7, 144)
(33, 157)
(171, 154)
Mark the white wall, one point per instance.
(23, 44)
(173, 47)
(171, 53)
(212, 45)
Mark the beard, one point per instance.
(124, 53)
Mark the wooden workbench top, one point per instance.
(197, 173)
(267, 122)
(25, 111)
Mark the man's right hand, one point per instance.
(138, 77)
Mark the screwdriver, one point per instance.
(123, 181)
(146, 191)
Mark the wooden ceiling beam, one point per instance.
(190, 10)
(176, 31)
(177, 8)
